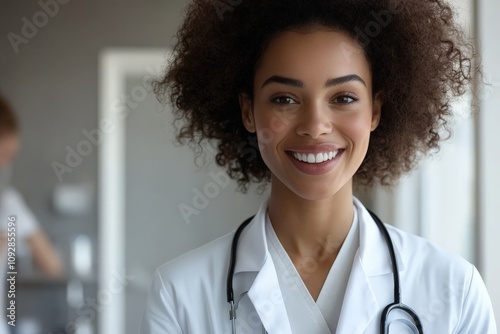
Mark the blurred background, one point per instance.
(97, 169)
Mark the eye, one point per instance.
(345, 99)
(284, 100)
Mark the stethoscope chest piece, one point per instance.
(400, 325)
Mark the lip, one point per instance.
(317, 168)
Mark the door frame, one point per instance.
(115, 66)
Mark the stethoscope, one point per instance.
(416, 326)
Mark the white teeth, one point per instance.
(315, 159)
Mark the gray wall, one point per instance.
(52, 84)
(489, 165)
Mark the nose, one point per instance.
(315, 121)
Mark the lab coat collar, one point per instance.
(264, 293)
(252, 245)
(370, 239)
(372, 259)
(252, 248)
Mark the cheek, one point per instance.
(6, 152)
(358, 130)
(271, 127)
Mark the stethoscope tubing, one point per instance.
(385, 313)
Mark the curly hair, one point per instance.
(419, 57)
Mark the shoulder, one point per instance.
(10, 195)
(453, 288)
(437, 275)
(417, 251)
(12, 204)
(207, 262)
(185, 286)
(414, 254)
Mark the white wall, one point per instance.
(433, 202)
(489, 150)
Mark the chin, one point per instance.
(316, 192)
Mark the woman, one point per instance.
(316, 97)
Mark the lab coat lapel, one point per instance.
(252, 246)
(266, 297)
(360, 304)
(264, 293)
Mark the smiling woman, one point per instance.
(325, 107)
(329, 94)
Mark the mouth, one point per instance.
(315, 158)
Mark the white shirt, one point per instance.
(305, 314)
(13, 204)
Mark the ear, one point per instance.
(247, 112)
(376, 110)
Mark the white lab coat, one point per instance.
(188, 294)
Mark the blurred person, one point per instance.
(12, 203)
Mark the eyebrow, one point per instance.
(300, 84)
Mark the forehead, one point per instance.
(313, 56)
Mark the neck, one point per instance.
(310, 227)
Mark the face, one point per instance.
(313, 111)
(9, 145)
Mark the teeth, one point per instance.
(315, 159)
